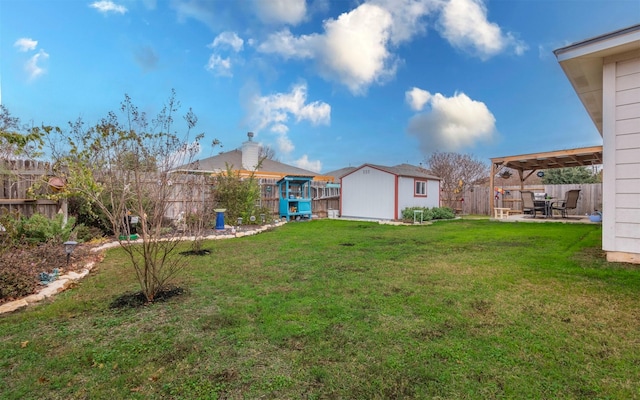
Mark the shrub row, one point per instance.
(428, 214)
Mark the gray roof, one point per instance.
(403, 170)
(339, 173)
(234, 158)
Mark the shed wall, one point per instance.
(406, 197)
(368, 193)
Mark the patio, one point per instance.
(571, 219)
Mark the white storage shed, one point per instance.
(379, 192)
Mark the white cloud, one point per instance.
(352, 50)
(33, 67)
(26, 44)
(304, 163)
(417, 98)
(228, 40)
(288, 46)
(407, 16)
(464, 24)
(219, 66)
(106, 6)
(452, 123)
(357, 49)
(285, 145)
(290, 12)
(275, 112)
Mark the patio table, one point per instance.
(546, 202)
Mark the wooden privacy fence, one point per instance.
(189, 191)
(477, 198)
(16, 177)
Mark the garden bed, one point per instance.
(20, 267)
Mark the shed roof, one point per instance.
(407, 170)
(339, 173)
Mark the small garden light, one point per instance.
(239, 221)
(69, 246)
(262, 218)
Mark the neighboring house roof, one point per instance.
(582, 63)
(407, 170)
(218, 164)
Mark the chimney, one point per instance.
(250, 153)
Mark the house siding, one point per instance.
(621, 132)
(368, 193)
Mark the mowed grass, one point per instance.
(337, 309)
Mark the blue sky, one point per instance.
(327, 84)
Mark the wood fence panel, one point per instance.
(16, 178)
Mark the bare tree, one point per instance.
(457, 171)
(267, 153)
(123, 165)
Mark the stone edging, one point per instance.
(65, 281)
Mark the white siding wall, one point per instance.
(368, 193)
(407, 199)
(621, 133)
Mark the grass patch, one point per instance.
(338, 309)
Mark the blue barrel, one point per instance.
(220, 218)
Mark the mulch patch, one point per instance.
(203, 252)
(138, 299)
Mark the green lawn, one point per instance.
(335, 309)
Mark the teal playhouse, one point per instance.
(295, 197)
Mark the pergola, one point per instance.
(528, 164)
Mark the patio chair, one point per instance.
(529, 205)
(570, 202)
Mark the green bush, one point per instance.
(428, 214)
(443, 213)
(40, 229)
(90, 215)
(87, 233)
(236, 194)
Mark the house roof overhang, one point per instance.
(583, 61)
